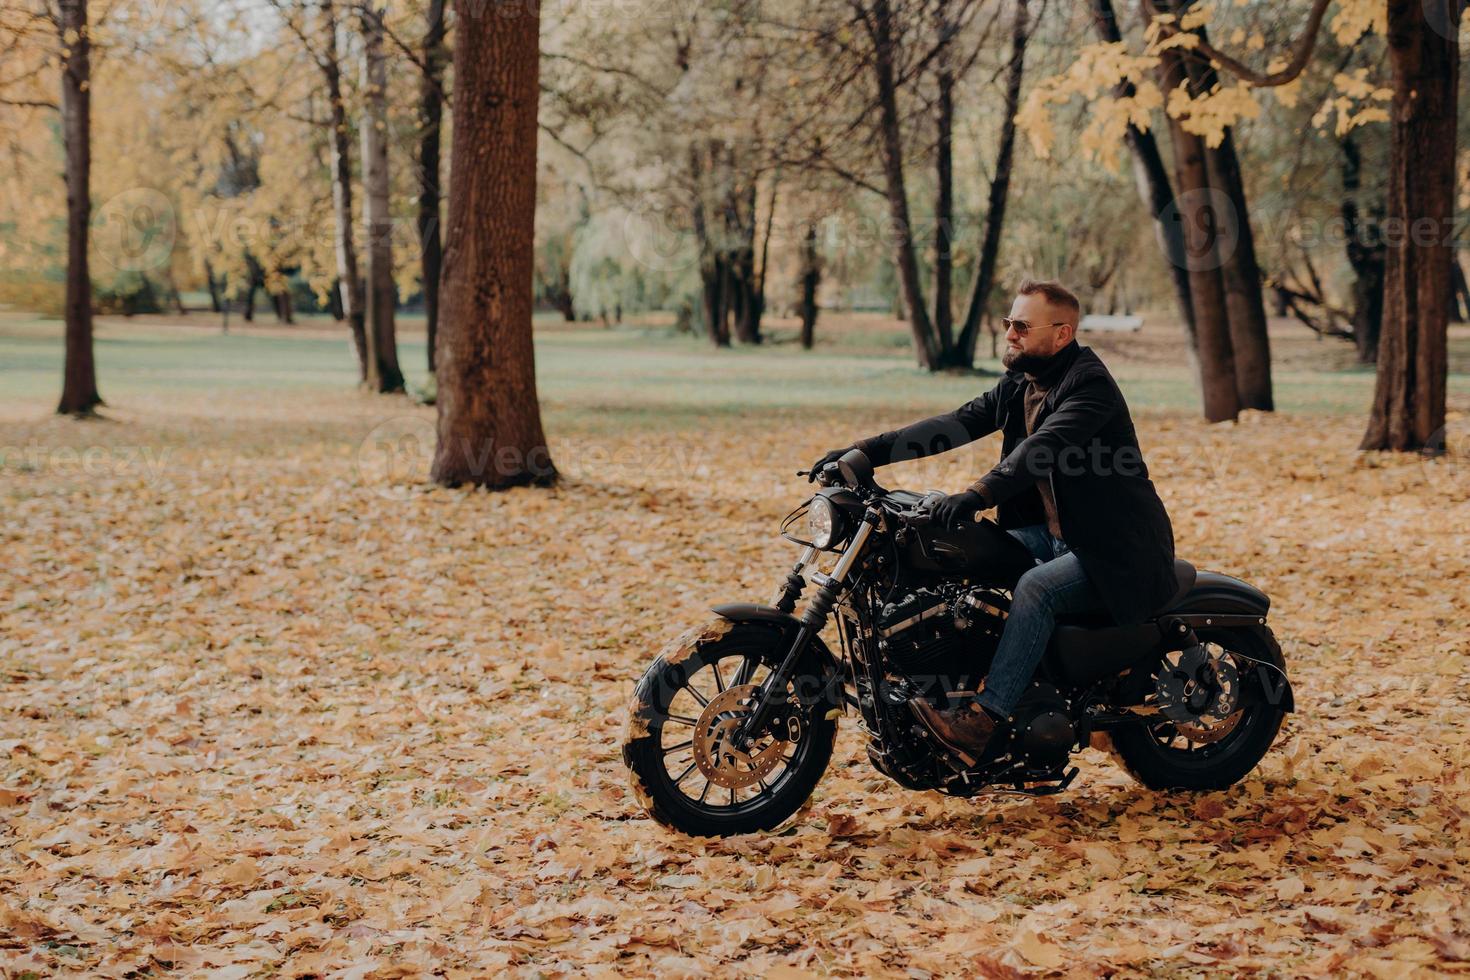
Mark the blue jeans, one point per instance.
(1055, 587)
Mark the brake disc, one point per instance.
(1200, 692)
(715, 751)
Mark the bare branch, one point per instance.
(1293, 68)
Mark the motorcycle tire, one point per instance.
(1214, 765)
(676, 767)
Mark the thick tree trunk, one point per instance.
(384, 374)
(811, 277)
(489, 419)
(1365, 254)
(348, 284)
(906, 259)
(1409, 400)
(79, 376)
(1151, 177)
(1000, 186)
(1245, 304)
(1196, 212)
(1240, 272)
(431, 112)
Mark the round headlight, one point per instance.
(822, 522)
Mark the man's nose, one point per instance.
(1012, 333)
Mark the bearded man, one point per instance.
(1071, 485)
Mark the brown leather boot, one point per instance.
(965, 729)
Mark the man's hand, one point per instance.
(831, 457)
(952, 508)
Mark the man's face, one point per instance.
(1052, 327)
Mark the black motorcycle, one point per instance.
(734, 723)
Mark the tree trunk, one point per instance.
(431, 113)
(1152, 179)
(1365, 254)
(1000, 186)
(1245, 304)
(79, 376)
(384, 374)
(349, 285)
(1460, 296)
(1196, 212)
(811, 277)
(740, 228)
(944, 210)
(489, 419)
(1409, 399)
(711, 260)
(926, 350)
(214, 287)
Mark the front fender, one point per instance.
(750, 612)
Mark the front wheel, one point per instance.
(1213, 747)
(687, 770)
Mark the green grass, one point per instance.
(624, 375)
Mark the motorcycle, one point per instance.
(733, 724)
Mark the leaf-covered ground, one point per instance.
(269, 706)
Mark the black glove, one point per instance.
(955, 507)
(830, 457)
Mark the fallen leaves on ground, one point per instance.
(262, 714)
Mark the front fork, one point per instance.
(813, 618)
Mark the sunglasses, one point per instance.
(1022, 327)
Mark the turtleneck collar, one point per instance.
(1055, 367)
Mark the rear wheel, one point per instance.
(686, 767)
(1205, 736)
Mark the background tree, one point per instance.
(1409, 399)
(383, 373)
(489, 431)
(79, 387)
(431, 112)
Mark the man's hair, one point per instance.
(1052, 290)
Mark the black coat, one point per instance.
(1111, 516)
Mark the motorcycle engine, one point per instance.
(942, 639)
(1042, 735)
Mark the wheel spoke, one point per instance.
(675, 748)
(705, 792)
(684, 775)
(683, 720)
(719, 681)
(732, 795)
(703, 701)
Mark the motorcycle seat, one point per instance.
(1184, 579)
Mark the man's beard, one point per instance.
(1016, 360)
